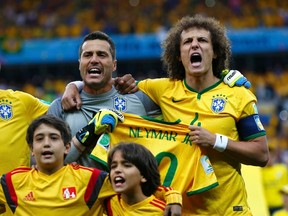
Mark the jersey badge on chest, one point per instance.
(218, 103)
(5, 111)
(69, 193)
(120, 103)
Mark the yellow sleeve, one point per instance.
(169, 195)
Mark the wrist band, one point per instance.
(221, 142)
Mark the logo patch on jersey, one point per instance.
(104, 141)
(120, 103)
(29, 197)
(218, 103)
(6, 112)
(258, 123)
(176, 100)
(69, 193)
(206, 164)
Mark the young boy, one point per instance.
(53, 188)
(135, 177)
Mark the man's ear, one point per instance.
(115, 65)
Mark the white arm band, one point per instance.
(221, 142)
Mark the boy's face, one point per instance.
(48, 149)
(125, 176)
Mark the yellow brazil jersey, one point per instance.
(17, 110)
(182, 165)
(115, 206)
(72, 190)
(219, 109)
(274, 178)
(281, 212)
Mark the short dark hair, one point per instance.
(145, 162)
(98, 35)
(54, 122)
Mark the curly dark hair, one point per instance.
(171, 45)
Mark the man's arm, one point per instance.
(105, 120)
(252, 152)
(125, 84)
(71, 97)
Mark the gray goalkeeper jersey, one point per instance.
(137, 103)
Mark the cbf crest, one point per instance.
(218, 103)
(5, 111)
(120, 103)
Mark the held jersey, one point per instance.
(182, 165)
(91, 104)
(219, 109)
(72, 190)
(115, 206)
(17, 110)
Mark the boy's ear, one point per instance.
(68, 147)
(143, 179)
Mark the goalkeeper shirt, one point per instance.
(219, 109)
(17, 110)
(72, 190)
(130, 103)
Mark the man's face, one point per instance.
(96, 66)
(196, 51)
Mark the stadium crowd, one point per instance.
(49, 19)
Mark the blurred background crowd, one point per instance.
(22, 20)
(66, 18)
